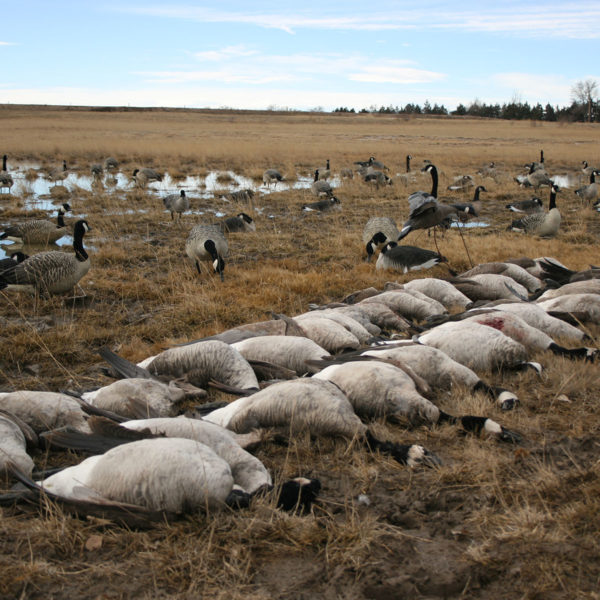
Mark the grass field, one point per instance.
(494, 521)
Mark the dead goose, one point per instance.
(515, 272)
(545, 224)
(52, 272)
(377, 232)
(177, 203)
(327, 333)
(407, 258)
(38, 231)
(442, 291)
(584, 286)
(13, 447)
(311, 405)
(490, 286)
(584, 308)
(207, 242)
(406, 303)
(240, 223)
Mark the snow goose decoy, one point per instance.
(52, 272)
(38, 231)
(207, 242)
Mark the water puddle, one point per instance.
(470, 224)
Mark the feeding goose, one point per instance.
(52, 272)
(272, 176)
(38, 231)
(207, 243)
(320, 187)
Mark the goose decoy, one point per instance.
(377, 232)
(535, 177)
(207, 242)
(545, 224)
(52, 272)
(467, 210)
(14, 259)
(320, 187)
(142, 177)
(324, 172)
(425, 210)
(240, 223)
(59, 173)
(241, 196)
(176, 203)
(589, 192)
(534, 205)
(111, 164)
(38, 231)
(488, 170)
(407, 258)
(97, 171)
(329, 203)
(6, 180)
(377, 177)
(272, 176)
(462, 183)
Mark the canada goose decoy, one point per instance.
(241, 196)
(329, 203)
(589, 192)
(272, 176)
(407, 258)
(242, 222)
(111, 164)
(535, 177)
(462, 183)
(59, 173)
(377, 232)
(425, 210)
(142, 177)
(6, 180)
(488, 171)
(467, 210)
(320, 187)
(324, 172)
(346, 173)
(377, 164)
(207, 242)
(38, 231)
(539, 166)
(534, 205)
(408, 176)
(545, 224)
(176, 203)
(51, 272)
(377, 177)
(14, 259)
(97, 171)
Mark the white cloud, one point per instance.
(390, 74)
(533, 88)
(229, 52)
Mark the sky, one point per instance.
(302, 55)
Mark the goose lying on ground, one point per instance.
(586, 286)
(516, 272)
(534, 205)
(327, 333)
(407, 304)
(584, 308)
(490, 286)
(329, 203)
(13, 447)
(442, 291)
(240, 223)
(345, 320)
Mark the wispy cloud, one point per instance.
(392, 74)
(524, 19)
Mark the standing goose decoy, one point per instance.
(207, 242)
(52, 272)
(534, 205)
(425, 210)
(377, 232)
(320, 187)
(176, 203)
(38, 231)
(240, 223)
(272, 176)
(324, 172)
(6, 180)
(544, 224)
(589, 192)
(111, 164)
(97, 171)
(535, 178)
(407, 258)
(59, 174)
(329, 203)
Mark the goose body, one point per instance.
(52, 272)
(490, 286)
(43, 411)
(442, 291)
(488, 349)
(207, 243)
(240, 223)
(97, 171)
(381, 315)
(13, 447)
(535, 177)
(462, 183)
(177, 203)
(59, 173)
(587, 286)
(324, 172)
(327, 333)
(14, 259)
(241, 196)
(202, 361)
(377, 232)
(408, 304)
(345, 320)
(377, 177)
(544, 224)
(130, 397)
(287, 351)
(467, 210)
(407, 258)
(320, 187)
(111, 164)
(515, 272)
(172, 474)
(38, 231)
(534, 205)
(329, 203)
(142, 177)
(583, 307)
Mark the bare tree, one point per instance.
(585, 92)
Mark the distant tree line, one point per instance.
(585, 106)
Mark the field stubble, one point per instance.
(492, 522)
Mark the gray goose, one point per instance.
(52, 272)
(38, 231)
(272, 176)
(207, 242)
(320, 187)
(589, 192)
(176, 203)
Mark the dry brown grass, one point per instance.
(493, 522)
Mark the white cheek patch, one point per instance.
(415, 455)
(216, 264)
(492, 427)
(507, 396)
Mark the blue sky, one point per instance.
(301, 55)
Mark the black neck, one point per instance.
(592, 176)
(4, 163)
(80, 252)
(316, 175)
(476, 195)
(408, 164)
(552, 200)
(434, 181)
(60, 221)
